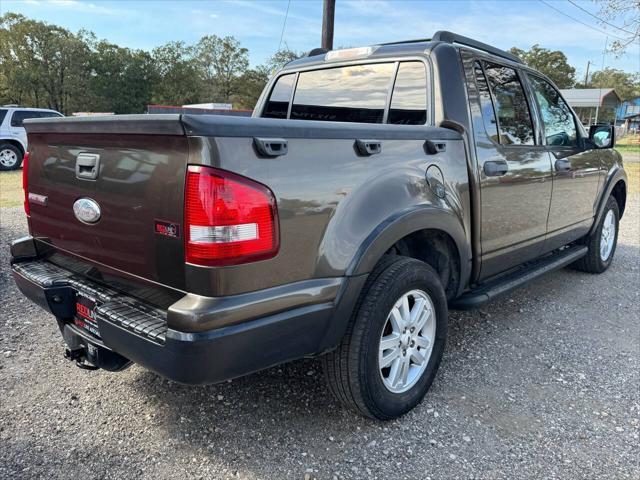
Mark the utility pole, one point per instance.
(586, 75)
(328, 13)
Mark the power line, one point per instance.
(598, 18)
(581, 22)
(284, 24)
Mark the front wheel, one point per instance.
(394, 342)
(602, 242)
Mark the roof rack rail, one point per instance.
(317, 51)
(450, 37)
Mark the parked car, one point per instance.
(13, 137)
(374, 188)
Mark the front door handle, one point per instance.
(563, 165)
(495, 168)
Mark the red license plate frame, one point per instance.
(85, 317)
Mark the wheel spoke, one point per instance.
(397, 322)
(422, 321)
(404, 375)
(405, 311)
(417, 310)
(390, 341)
(417, 357)
(394, 373)
(423, 342)
(386, 360)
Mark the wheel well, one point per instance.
(619, 192)
(437, 249)
(14, 143)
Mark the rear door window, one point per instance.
(486, 105)
(345, 94)
(19, 116)
(514, 118)
(278, 104)
(3, 113)
(49, 114)
(409, 98)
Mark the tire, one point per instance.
(599, 257)
(353, 370)
(10, 157)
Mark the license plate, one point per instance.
(85, 314)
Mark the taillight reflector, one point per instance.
(229, 219)
(25, 183)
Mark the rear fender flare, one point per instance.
(405, 223)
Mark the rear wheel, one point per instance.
(394, 342)
(602, 242)
(10, 157)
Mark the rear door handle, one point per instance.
(563, 165)
(368, 147)
(495, 168)
(271, 147)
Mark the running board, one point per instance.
(493, 288)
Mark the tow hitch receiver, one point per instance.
(91, 355)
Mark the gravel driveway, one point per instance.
(544, 383)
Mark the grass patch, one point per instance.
(628, 148)
(633, 174)
(11, 194)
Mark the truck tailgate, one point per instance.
(139, 188)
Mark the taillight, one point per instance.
(229, 219)
(25, 183)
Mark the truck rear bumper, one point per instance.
(140, 333)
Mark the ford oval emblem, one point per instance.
(86, 210)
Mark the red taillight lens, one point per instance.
(229, 219)
(25, 182)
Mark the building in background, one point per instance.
(593, 105)
(628, 116)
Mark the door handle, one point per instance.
(495, 168)
(87, 166)
(271, 147)
(368, 147)
(563, 165)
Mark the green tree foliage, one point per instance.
(42, 65)
(178, 75)
(553, 63)
(121, 79)
(280, 59)
(221, 63)
(627, 85)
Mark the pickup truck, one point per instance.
(373, 189)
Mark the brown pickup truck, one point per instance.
(373, 189)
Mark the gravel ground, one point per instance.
(544, 383)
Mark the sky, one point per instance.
(260, 25)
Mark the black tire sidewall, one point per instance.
(18, 153)
(383, 403)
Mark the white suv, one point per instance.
(13, 137)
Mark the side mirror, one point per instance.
(602, 136)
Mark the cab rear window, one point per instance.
(355, 93)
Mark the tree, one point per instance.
(627, 85)
(279, 59)
(250, 86)
(42, 65)
(553, 63)
(121, 79)
(221, 61)
(624, 15)
(178, 80)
